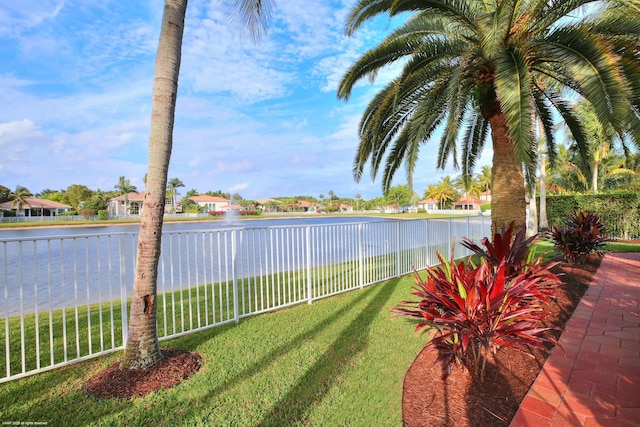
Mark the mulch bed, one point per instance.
(176, 366)
(463, 401)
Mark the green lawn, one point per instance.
(339, 361)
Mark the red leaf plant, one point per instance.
(581, 235)
(511, 249)
(474, 310)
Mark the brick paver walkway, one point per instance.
(594, 379)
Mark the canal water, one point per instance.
(54, 267)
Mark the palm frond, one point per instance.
(513, 88)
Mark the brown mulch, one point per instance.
(460, 400)
(176, 366)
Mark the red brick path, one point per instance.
(594, 379)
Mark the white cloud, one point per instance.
(19, 16)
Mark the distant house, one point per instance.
(468, 204)
(345, 208)
(116, 206)
(485, 196)
(391, 208)
(270, 205)
(212, 203)
(428, 204)
(305, 206)
(36, 207)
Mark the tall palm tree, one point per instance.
(124, 187)
(358, 197)
(445, 190)
(172, 187)
(141, 349)
(476, 68)
(19, 198)
(484, 178)
(470, 187)
(601, 140)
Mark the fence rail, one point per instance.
(65, 298)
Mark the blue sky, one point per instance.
(259, 119)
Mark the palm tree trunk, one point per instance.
(142, 350)
(544, 221)
(594, 178)
(507, 188)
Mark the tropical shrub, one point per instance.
(511, 249)
(582, 234)
(88, 213)
(471, 311)
(103, 214)
(619, 212)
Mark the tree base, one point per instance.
(175, 367)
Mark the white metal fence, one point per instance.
(64, 299)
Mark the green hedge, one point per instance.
(620, 212)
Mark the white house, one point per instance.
(428, 204)
(211, 203)
(36, 207)
(116, 206)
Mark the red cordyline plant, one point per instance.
(581, 235)
(472, 311)
(508, 247)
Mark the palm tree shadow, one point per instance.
(294, 407)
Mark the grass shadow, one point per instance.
(293, 408)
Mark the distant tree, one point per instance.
(446, 191)
(191, 193)
(19, 198)
(76, 194)
(358, 198)
(399, 195)
(98, 201)
(172, 189)
(4, 194)
(189, 206)
(484, 178)
(331, 195)
(218, 193)
(470, 187)
(124, 187)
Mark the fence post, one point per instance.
(123, 292)
(450, 238)
(398, 255)
(428, 250)
(360, 257)
(309, 264)
(234, 276)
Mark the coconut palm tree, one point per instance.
(470, 187)
(475, 68)
(484, 178)
(172, 189)
(445, 191)
(124, 187)
(358, 197)
(141, 349)
(19, 198)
